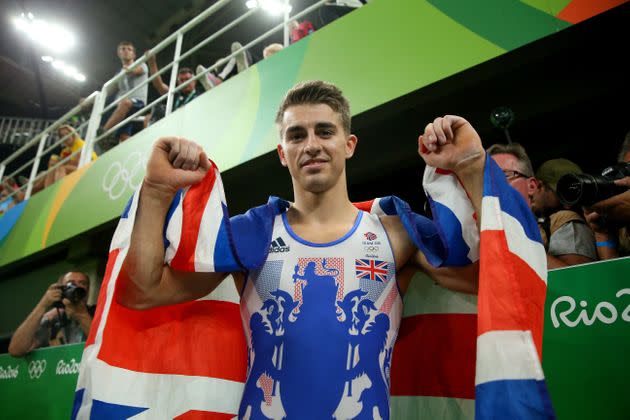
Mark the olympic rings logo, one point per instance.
(121, 176)
(36, 368)
(371, 248)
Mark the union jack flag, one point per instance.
(372, 269)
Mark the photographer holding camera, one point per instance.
(564, 230)
(61, 316)
(567, 238)
(607, 207)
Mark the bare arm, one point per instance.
(461, 279)
(450, 143)
(158, 83)
(174, 163)
(136, 71)
(23, 340)
(566, 260)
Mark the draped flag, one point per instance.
(448, 361)
(185, 361)
(188, 361)
(509, 381)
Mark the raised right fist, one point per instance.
(175, 163)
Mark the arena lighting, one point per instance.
(274, 7)
(65, 68)
(48, 35)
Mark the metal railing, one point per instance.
(44, 140)
(17, 131)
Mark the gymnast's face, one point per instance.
(314, 147)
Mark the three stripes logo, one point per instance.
(278, 245)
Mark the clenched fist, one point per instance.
(450, 142)
(175, 163)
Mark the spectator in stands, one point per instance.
(566, 236)
(72, 145)
(610, 219)
(239, 63)
(187, 94)
(299, 30)
(137, 99)
(518, 169)
(56, 319)
(271, 49)
(8, 187)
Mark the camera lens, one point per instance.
(584, 189)
(617, 171)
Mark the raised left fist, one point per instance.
(451, 143)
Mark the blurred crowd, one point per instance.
(129, 97)
(582, 217)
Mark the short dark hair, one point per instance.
(516, 150)
(121, 43)
(185, 70)
(317, 92)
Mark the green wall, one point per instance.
(375, 54)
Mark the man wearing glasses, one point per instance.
(566, 236)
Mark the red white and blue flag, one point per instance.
(184, 361)
(188, 361)
(371, 269)
(509, 380)
(460, 356)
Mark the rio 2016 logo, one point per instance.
(604, 312)
(123, 176)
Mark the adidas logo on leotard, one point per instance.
(278, 245)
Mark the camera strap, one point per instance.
(544, 224)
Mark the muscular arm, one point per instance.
(174, 163)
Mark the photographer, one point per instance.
(569, 239)
(60, 317)
(610, 218)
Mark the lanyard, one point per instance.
(188, 98)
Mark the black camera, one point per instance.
(585, 189)
(72, 292)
